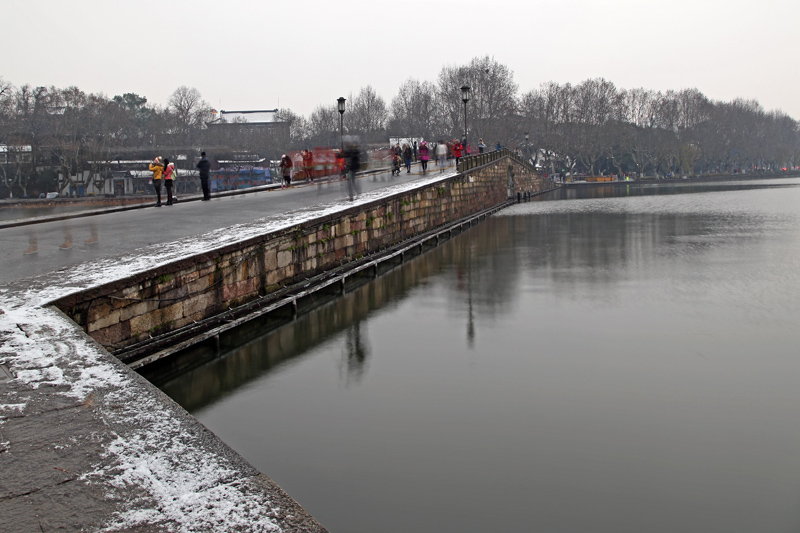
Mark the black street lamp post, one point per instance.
(465, 98)
(341, 101)
(527, 147)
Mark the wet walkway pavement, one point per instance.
(66, 240)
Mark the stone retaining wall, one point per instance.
(122, 313)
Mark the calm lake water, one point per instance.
(615, 360)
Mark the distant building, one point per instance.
(255, 121)
(15, 154)
(248, 139)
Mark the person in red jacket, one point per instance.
(457, 150)
(308, 164)
(169, 176)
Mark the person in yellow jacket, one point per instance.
(157, 168)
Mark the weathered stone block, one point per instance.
(99, 310)
(119, 333)
(285, 258)
(199, 304)
(104, 321)
(138, 308)
(237, 290)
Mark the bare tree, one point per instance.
(323, 126)
(689, 108)
(597, 105)
(413, 110)
(298, 126)
(492, 108)
(367, 114)
(190, 109)
(6, 105)
(638, 112)
(549, 114)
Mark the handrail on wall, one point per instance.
(478, 160)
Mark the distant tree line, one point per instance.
(46, 131)
(592, 127)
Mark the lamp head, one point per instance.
(465, 89)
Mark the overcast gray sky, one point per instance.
(297, 54)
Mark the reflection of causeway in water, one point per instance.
(200, 375)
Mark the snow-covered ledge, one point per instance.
(87, 444)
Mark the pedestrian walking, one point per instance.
(157, 168)
(441, 155)
(286, 167)
(457, 150)
(424, 155)
(395, 164)
(169, 176)
(308, 164)
(352, 157)
(204, 166)
(481, 146)
(415, 150)
(407, 156)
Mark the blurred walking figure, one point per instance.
(407, 154)
(286, 167)
(33, 242)
(341, 164)
(308, 164)
(204, 166)
(169, 176)
(157, 168)
(352, 157)
(441, 155)
(481, 146)
(424, 156)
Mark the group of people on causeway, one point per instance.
(424, 152)
(346, 162)
(163, 169)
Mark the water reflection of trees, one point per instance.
(644, 188)
(257, 355)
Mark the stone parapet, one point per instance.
(134, 309)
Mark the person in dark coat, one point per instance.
(286, 166)
(204, 166)
(407, 154)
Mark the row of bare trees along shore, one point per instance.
(592, 127)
